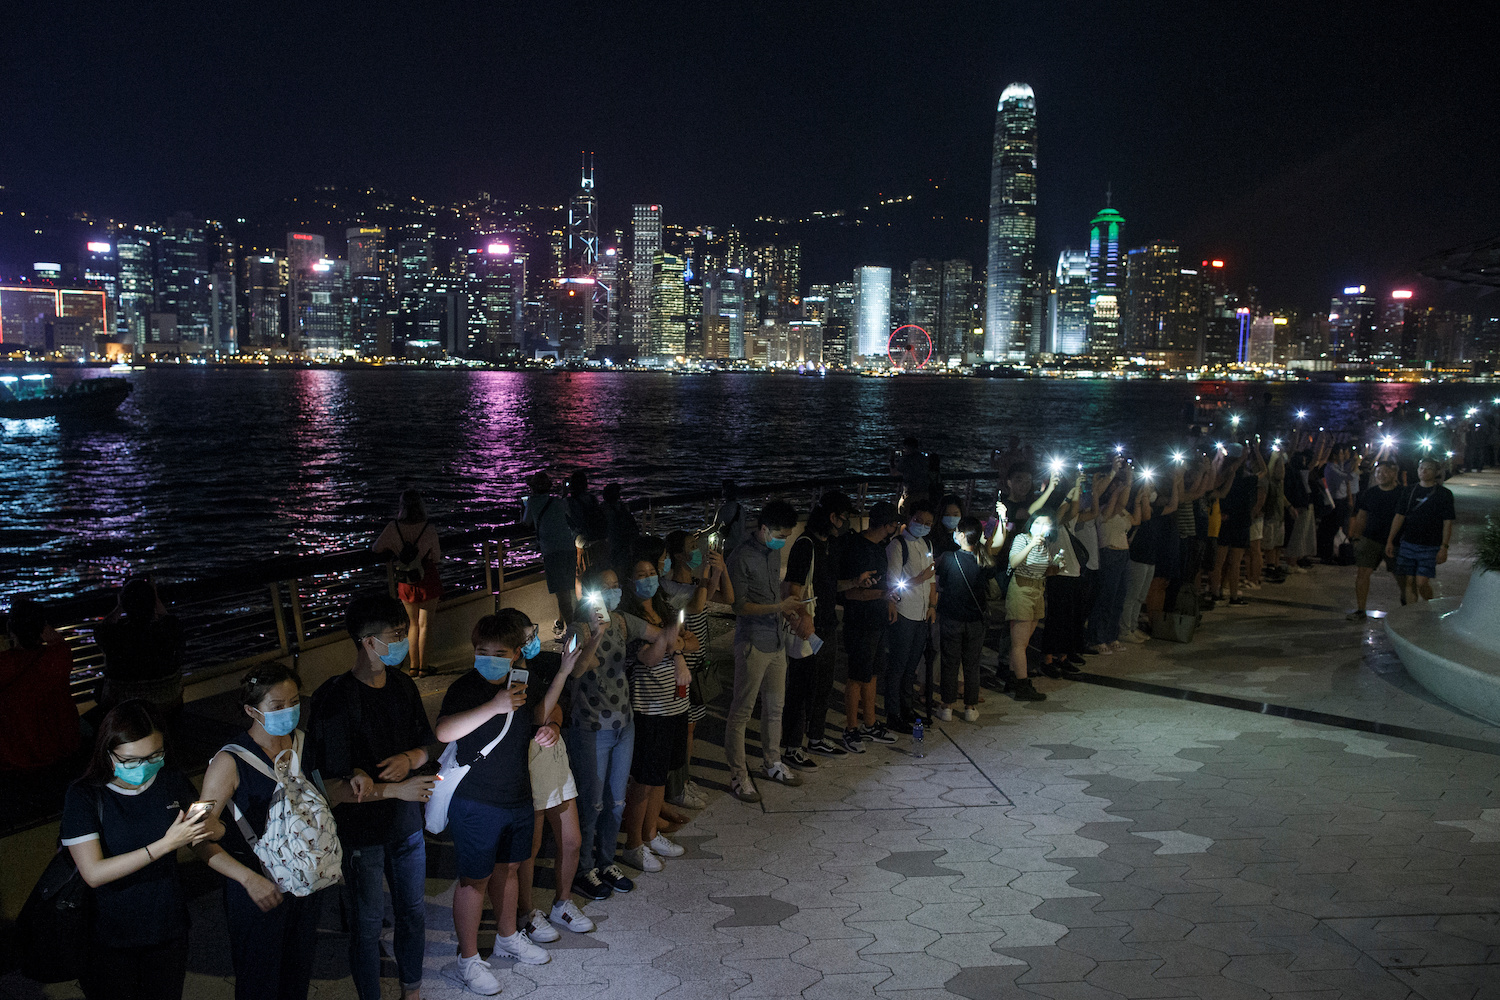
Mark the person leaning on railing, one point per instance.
(143, 647)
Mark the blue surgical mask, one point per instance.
(695, 559)
(645, 588)
(773, 543)
(137, 774)
(612, 598)
(950, 521)
(492, 668)
(918, 530)
(281, 721)
(666, 565)
(958, 539)
(532, 648)
(395, 652)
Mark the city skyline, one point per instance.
(1293, 152)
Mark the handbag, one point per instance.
(450, 773)
(56, 923)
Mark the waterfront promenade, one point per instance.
(1112, 841)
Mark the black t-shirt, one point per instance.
(1143, 544)
(1426, 508)
(1380, 507)
(353, 725)
(825, 585)
(962, 584)
(141, 651)
(148, 906)
(1240, 502)
(503, 778)
(857, 555)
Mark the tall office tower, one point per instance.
(1218, 315)
(924, 298)
(692, 311)
(182, 267)
(304, 252)
(1106, 280)
(838, 325)
(668, 308)
(370, 319)
(415, 263)
(645, 245)
(317, 305)
(136, 253)
(724, 314)
(872, 312)
(606, 301)
(1070, 313)
(1151, 298)
(1398, 330)
(955, 307)
(224, 335)
(1355, 319)
(366, 249)
(1011, 284)
(98, 265)
(265, 295)
(1190, 342)
(582, 253)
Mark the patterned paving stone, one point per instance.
(915, 864)
(753, 911)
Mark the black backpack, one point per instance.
(408, 563)
(56, 923)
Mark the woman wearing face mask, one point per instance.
(600, 736)
(1034, 556)
(963, 577)
(272, 937)
(123, 822)
(658, 696)
(950, 512)
(694, 580)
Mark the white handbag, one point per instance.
(450, 773)
(299, 849)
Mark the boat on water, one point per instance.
(31, 397)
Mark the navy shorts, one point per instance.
(862, 641)
(562, 571)
(1416, 560)
(485, 835)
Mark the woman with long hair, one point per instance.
(963, 579)
(410, 542)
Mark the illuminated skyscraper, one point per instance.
(136, 252)
(924, 296)
(872, 311)
(1011, 293)
(724, 314)
(645, 245)
(224, 337)
(668, 310)
(366, 249)
(1355, 321)
(1106, 281)
(1070, 307)
(583, 228)
(264, 285)
(182, 268)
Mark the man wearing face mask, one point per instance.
(913, 602)
(760, 648)
(368, 728)
(809, 679)
(863, 584)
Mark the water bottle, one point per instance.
(916, 738)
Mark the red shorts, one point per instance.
(429, 589)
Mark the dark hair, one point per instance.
(127, 722)
(677, 541)
(539, 482)
(508, 627)
(836, 502)
(646, 548)
(411, 508)
(973, 532)
(778, 515)
(731, 491)
(578, 483)
(951, 500)
(593, 576)
(612, 493)
(1016, 467)
(911, 441)
(371, 613)
(918, 507)
(26, 622)
(631, 603)
(258, 682)
(138, 599)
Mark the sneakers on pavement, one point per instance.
(781, 774)
(1355, 616)
(519, 947)
(538, 929)
(971, 714)
(570, 916)
(1134, 636)
(615, 879)
(688, 800)
(798, 758)
(943, 714)
(877, 734)
(1026, 691)
(642, 858)
(472, 974)
(1100, 650)
(664, 848)
(590, 885)
(1238, 602)
(852, 741)
(827, 748)
(742, 788)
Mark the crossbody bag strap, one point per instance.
(494, 742)
(251, 837)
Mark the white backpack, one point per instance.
(299, 849)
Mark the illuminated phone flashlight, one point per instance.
(1219, 445)
(900, 584)
(1145, 473)
(594, 597)
(1177, 457)
(1472, 410)
(1119, 449)
(1450, 454)
(1301, 414)
(1235, 420)
(1080, 466)
(1387, 441)
(1427, 442)
(1276, 443)
(1056, 465)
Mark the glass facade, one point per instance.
(872, 311)
(1011, 292)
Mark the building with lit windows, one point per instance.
(366, 249)
(223, 312)
(871, 324)
(924, 296)
(1012, 293)
(182, 276)
(1354, 319)
(265, 301)
(668, 319)
(46, 319)
(645, 245)
(951, 338)
(135, 251)
(724, 314)
(1069, 308)
(317, 302)
(582, 253)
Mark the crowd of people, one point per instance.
(594, 739)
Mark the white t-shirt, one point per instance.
(911, 601)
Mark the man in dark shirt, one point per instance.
(867, 615)
(368, 733)
(910, 465)
(809, 680)
(1424, 525)
(1374, 510)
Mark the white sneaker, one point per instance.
(662, 847)
(688, 800)
(1134, 636)
(537, 928)
(971, 714)
(782, 774)
(944, 714)
(570, 916)
(742, 788)
(472, 974)
(642, 858)
(519, 947)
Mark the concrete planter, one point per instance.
(1452, 648)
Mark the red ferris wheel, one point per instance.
(909, 347)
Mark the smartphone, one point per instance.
(519, 677)
(682, 616)
(199, 811)
(573, 642)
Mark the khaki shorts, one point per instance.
(1369, 554)
(1274, 535)
(551, 778)
(1026, 599)
(1257, 528)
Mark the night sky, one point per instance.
(1309, 149)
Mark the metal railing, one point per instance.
(282, 607)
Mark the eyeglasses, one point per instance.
(155, 758)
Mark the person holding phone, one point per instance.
(367, 737)
(123, 822)
(862, 583)
(272, 936)
(1034, 556)
(693, 580)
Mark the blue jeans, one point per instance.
(906, 641)
(272, 952)
(601, 765)
(1109, 600)
(402, 863)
